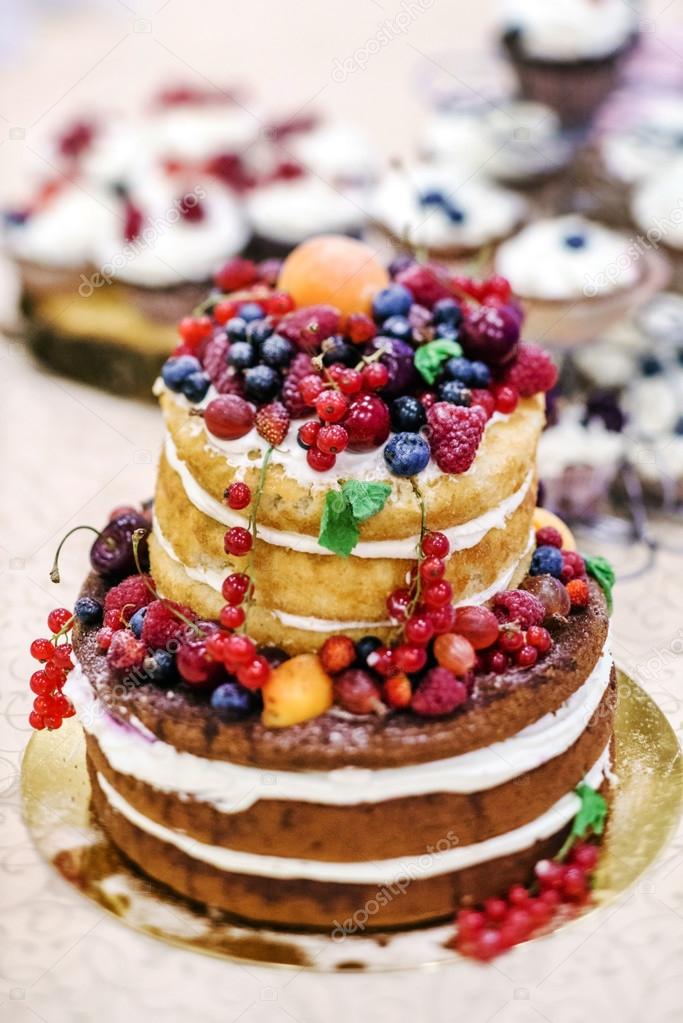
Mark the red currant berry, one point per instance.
(487, 944)
(526, 656)
(62, 656)
(381, 660)
(238, 496)
(36, 721)
(539, 638)
(550, 897)
(432, 569)
(238, 541)
(215, 645)
(331, 406)
(54, 673)
(518, 895)
(360, 328)
(585, 855)
(574, 882)
(350, 381)
(40, 684)
(375, 376)
(498, 662)
(42, 704)
(307, 433)
(435, 545)
(398, 603)
(42, 650)
(332, 439)
(321, 461)
(238, 650)
(279, 303)
(195, 329)
(194, 663)
(310, 387)
(53, 721)
(550, 873)
(57, 619)
(231, 617)
(506, 399)
(510, 640)
(438, 594)
(495, 909)
(255, 674)
(223, 312)
(470, 922)
(235, 587)
(419, 630)
(410, 658)
(497, 287)
(442, 619)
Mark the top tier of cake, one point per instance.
(453, 448)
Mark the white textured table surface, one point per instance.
(69, 454)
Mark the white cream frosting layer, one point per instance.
(657, 205)
(570, 29)
(653, 139)
(231, 788)
(290, 211)
(539, 264)
(67, 230)
(429, 864)
(462, 537)
(489, 213)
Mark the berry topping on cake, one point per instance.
(533, 371)
(229, 417)
(455, 433)
(164, 622)
(518, 606)
(439, 693)
(272, 423)
(330, 269)
(406, 454)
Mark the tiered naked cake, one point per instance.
(365, 676)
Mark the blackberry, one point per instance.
(277, 351)
(261, 384)
(407, 414)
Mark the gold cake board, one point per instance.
(645, 807)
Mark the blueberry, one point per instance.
(195, 386)
(136, 622)
(258, 331)
(261, 384)
(546, 560)
(277, 351)
(338, 351)
(176, 370)
(456, 393)
(575, 241)
(395, 300)
(88, 611)
(250, 311)
(447, 310)
(472, 374)
(650, 365)
(236, 329)
(432, 197)
(447, 330)
(242, 355)
(232, 701)
(397, 326)
(159, 666)
(406, 454)
(454, 213)
(366, 646)
(407, 414)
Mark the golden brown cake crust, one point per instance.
(370, 831)
(500, 706)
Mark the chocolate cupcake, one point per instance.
(569, 53)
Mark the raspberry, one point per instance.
(484, 399)
(439, 692)
(125, 651)
(229, 382)
(215, 357)
(573, 566)
(548, 536)
(455, 433)
(161, 625)
(427, 283)
(532, 371)
(308, 327)
(237, 273)
(578, 592)
(518, 606)
(337, 653)
(130, 595)
(272, 423)
(300, 367)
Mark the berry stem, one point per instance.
(138, 536)
(253, 512)
(54, 571)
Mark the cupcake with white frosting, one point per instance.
(442, 210)
(576, 277)
(657, 209)
(568, 53)
(514, 143)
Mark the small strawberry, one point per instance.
(397, 691)
(337, 653)
(532, 371)
(272, 422)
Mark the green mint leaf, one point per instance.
(430, 357)
(592, 814)
(338, 527)
(603, 573)
(366, 499)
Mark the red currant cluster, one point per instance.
(50, 706)
(503, 922)
(341, 393)
(516, 647)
